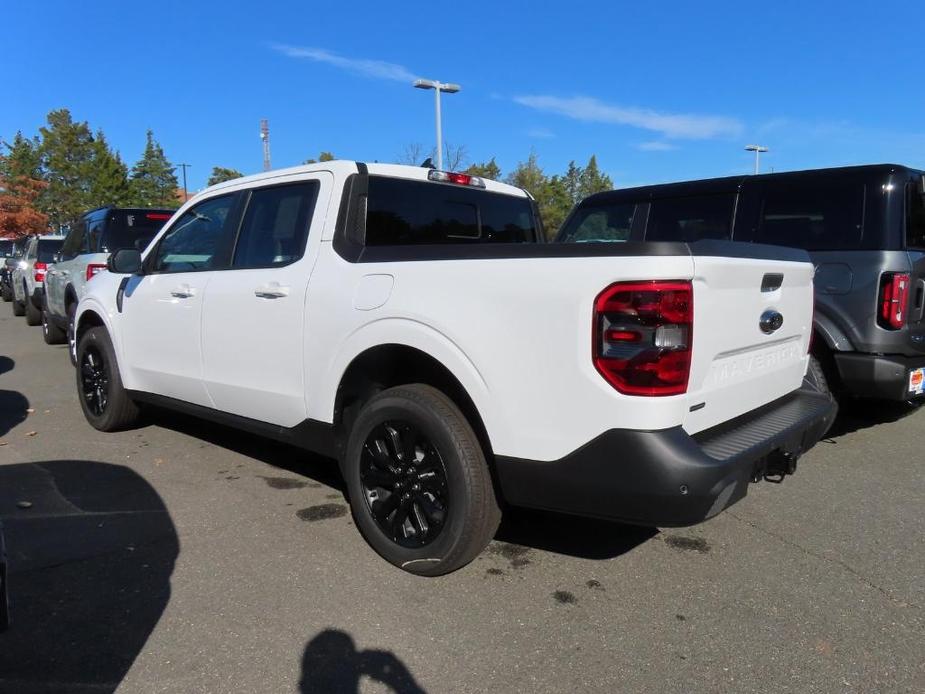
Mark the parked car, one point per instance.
(29, 276)
(8, 261)
(412, 324)
(87, 246)
(864, 228)
(4, 590)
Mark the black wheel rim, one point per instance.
(94, 377)
(404, 482)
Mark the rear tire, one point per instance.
(33, 315)
(815, 377)
(50, 331)
(412, 456)
(103, 398)
(19, 308)
(7, 294)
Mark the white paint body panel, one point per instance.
(516, 333)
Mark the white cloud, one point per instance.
(541, 133)
(670, 125)
(377, 69)
(656, 146)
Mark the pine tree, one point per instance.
(153, 182)
(67, 153)
(572, 181)
(220, 174)
(324, 156)
(488, 169)
(109, 176)
(592, 180)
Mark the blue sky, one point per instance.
(659, 91)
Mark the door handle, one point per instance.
(273, 290)
(184, 291)
(919, 300)
(64, 273)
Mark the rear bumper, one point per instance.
(667, 477)
(884, 377)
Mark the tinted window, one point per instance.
(6, 248)
(401, 212)
(132, 228)
(75, 240)
(600, 223)
(194, 240)
(691, 219)
(47, 249)
(915, 217)
(275, 225)
(94, 235)
(816, 216)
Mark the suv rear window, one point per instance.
(915, 216)
(691, 219)
(6, 248)
(46, 250)
(816, 216)
(133, 228)
(402, 212)
(605, 223)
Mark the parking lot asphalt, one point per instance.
(188, 557)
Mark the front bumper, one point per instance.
(885, 377)
(668, 477)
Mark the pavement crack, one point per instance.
(829, 560)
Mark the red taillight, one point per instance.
(94, 269)
(642, 335)
(157, 215)
(39, 271)
(459, 178)
(894, 296)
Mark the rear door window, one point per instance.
(691, 218)
(275, 225)
(405, 212)
(46, 250)
(606, 223)
(74, 242)
(915, 216)
(814, 215)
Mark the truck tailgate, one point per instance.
(753, 311)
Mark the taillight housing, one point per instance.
(38, 271)
(94, 269)
(894, 298)
(642, 336)
(458, 178)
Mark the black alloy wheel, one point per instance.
(94, 378)
(404, 482)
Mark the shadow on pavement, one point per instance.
(6, 364)
(331, 664)
(13, 406)
(854, 415)
(90, 562)
(573, 536)
(281, 455)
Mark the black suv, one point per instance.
(863, 226)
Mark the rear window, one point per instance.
(816, 216)
(45, 253)
(6, 248)
(133, 228)
(915, 217)
(600, 223)
(691, 219)
(402, 212)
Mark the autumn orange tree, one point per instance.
(21, 184)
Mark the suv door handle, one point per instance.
(184, 291)
(64, 273)
(273, 290)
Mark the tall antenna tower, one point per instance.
(265, 136)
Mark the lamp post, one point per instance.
(438, 87)
(185, 167)
(757, 149)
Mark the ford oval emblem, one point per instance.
(770, 321)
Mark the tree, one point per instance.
(414, 154)
(551, 194)
(592, 180)
(67, 153)
(454, 157)
(153, 182)
(323, 156)
(21, 184)
(487, 169)
(108, 176)
(572, 182)
(220, 174)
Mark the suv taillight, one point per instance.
(39, 271)
(894, 296)
(94, 269)
(642, 336)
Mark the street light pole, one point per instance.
(185, 167)
(757, 149)
(438, 87)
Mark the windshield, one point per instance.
(45, 253)
(134, 228)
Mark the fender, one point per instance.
(833, 336)
(89, 304)
(324, 378)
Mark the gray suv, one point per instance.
(864, 228)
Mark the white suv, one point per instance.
(413, 325)
(29, 276)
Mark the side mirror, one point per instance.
(125, 261)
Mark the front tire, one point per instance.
(19, 307)
(419, 485)
(103, 399)
(33, 315)
(50, 331)
(72, 333)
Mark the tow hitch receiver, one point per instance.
(775, 467)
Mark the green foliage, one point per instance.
(67, 154)
(220, 174)
(23, 158)
(108, 176)
(488, 169)
(592, 181)
(153, 182)
(324, 156)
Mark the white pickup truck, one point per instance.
(412, 324)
